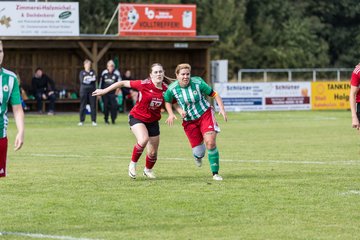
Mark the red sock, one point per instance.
(150, 162)
(137, 151)
(3, 152)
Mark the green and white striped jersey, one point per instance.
(192, 98)
(9, 93)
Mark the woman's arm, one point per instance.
(19, 121)
(100, 92)
(221, 106)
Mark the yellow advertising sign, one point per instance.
(330, 95)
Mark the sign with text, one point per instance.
(157, 20)
(287, 96)
(264, 96)
(241, 96)
(39, 18)
(330, 95)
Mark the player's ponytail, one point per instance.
(168, 80)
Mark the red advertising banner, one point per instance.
(157, 20)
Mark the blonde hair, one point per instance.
(110, 62)
(182, 66)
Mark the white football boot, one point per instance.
(198, 161)
(132, 170)
(149, 173)
(217, 177)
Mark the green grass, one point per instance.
(287, 175)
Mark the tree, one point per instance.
(284, 37)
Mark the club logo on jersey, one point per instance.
(195, 92)
(6, 88)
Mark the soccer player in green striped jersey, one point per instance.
(198, 117)
(9, 93)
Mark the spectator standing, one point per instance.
(108, 77)
(87, 86)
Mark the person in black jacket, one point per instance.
(44, 89)
(108, 77)
(87, 86)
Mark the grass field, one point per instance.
(287, 175)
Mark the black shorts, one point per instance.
(152, 127)
(358, 110)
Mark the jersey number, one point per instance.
(155, 103)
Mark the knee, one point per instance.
(199, 151)
(143, 141)
(152, 154)
(210, 144)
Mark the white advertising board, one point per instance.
(39, 18)
(264, 96)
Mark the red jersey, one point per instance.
(150, 100)
(355, 80)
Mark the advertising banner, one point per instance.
(241, 96)
(330, 95)
(264, 96)
(39, 18)
(157, 20)
(287, 96)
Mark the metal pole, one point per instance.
(112, 19)
(314, 76)
(338, 75)
(239, 76)
(289, 76)
(265, 76)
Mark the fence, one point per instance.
(290, 72)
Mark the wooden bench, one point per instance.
(66, 104)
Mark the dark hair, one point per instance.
(87, 61)
(166, 80)
(37, 69)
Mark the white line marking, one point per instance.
(347, 162)
(38, 235)
(351, 192)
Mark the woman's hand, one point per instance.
(170, 120)
(355, 122)
(98, 92)
(223, 113)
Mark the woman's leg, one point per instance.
(142, 138)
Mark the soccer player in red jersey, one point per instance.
(144, 116)
(355, 97)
